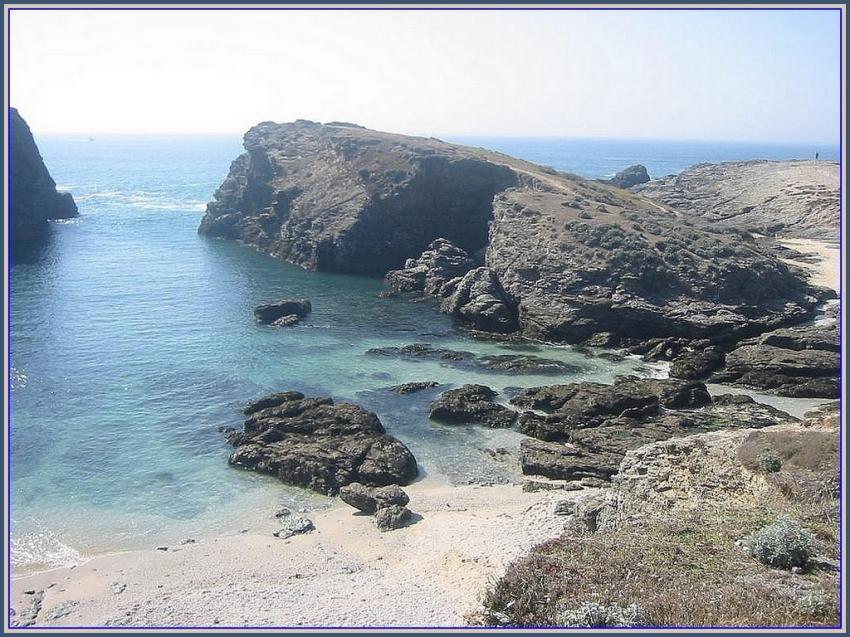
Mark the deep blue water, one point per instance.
(603, 158)
(133, 341)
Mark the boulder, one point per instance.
(631, 176)
(479, 300)
(370, 499)
(321, 445)
(392, 517)
(270, 313)
(441, 262)
(294, 525)
(472, 404)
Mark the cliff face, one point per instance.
(564, 258)
(33, 196)
(788, 198)
(350, 199)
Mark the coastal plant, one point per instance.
(782, 544)
(593, 615)
(815, 604)
(769, 462)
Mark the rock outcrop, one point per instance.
(631, 176)
(789, 198)
(801, 362)
(472, 404)
(587, 428)
(564, 258)
(282, 313)
(319, 444)
(33, 195)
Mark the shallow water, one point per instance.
(133, 342)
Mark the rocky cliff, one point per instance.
(34, 198)
(522, 247)
(788, 198)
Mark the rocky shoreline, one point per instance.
(510, 248)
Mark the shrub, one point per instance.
(816, 604)
(769, 462)
(592, 615)
(783, 544)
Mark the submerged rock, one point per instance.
(416, 386)
(472, 404)
(497, 363)
(284, 312)
(321, 445)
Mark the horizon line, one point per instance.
(444, 136)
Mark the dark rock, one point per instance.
(430, 273)
(370, 499)
(411, 388)
(631, 176)
(392, 517)
(525, 364)
(532, 486)
(272, 400)
(588, 435)
(33, 196)
(324, 197)
(565, 507)
(321, 445)
(799, 361)
(270, 313)
(697, 364)
(603, 339)
(294, 526)
(479, 300)
(498, 363)
(472, 404)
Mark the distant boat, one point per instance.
(91, 139)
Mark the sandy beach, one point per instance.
(345, 573)
(826, 270)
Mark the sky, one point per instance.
(760, 75)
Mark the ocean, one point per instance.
(133, 343)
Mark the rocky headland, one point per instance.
(506, 245)
(33, 196)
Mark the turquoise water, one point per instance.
(133, 342)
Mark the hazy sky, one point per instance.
(723, 75)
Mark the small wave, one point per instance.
(72, 221)
(42, 550)
(147, 200)
(17, 379)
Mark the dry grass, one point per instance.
(679, 572)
